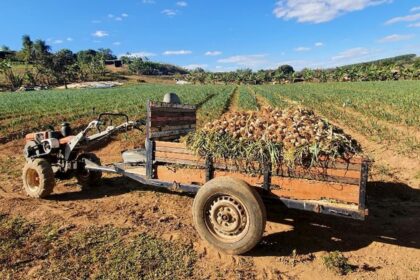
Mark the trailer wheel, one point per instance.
(229, 214)
(38, 178)
(87, 178)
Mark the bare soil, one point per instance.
(384, 246)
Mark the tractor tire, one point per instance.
(85, 178)
(38, 178)
(230, 215)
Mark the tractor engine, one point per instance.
(41, 144)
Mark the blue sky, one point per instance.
(222, 35)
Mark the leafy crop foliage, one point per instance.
(247, 99)
(36, 110)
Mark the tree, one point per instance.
(63, 66)
(27, 49)
(286, 69)
(106, 54)
(14, 80)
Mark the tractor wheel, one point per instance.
(88, 179)
(229, 214)
(38, 178)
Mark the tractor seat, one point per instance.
(134, 156)
(66, 140)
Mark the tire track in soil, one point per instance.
(403, 168)
(232, 104)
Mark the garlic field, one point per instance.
(384, 112)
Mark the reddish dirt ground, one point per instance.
(385, 246)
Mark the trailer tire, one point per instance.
(38, 178)
(88, 179)
(230, 215)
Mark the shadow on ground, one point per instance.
(394, 212)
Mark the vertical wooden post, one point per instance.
(209, 168)
(267, 176)
(149, 144)
(363, 182)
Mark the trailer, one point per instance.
(228, 209)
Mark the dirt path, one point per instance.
(385, 246)
(233, 101)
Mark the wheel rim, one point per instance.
(32, 179)
(226, 218)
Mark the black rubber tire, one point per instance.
(85, 178)
(38, 178)
(248, 197)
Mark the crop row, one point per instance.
(35, 110)
(247, 100)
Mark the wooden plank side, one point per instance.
(179, 132)
(172, 118)
(312, 189)
(281, 187)
(174, 150)
(174, 114)
(336, 164)
(299, 170)
(182, 176)
(170, 144)
(172, 127)
(180, 156)
(173, 122)
(329, 175)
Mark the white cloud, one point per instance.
(149, 2)
(180, 52)
(317, 11)
(415, 9)
(195, 66)
(124, 15)
(417, 24)
(96, 21)
(139, 54)
(351, 53)
(213, 53)
(302, 49)
(111, 16)
(58, 41)
(116, 43)
(319, 44)
(118, 19)
(100, 34)
(395, 38)
(407, 18)
(69, 39)
(252, 60)
(169, 12)
(182, 3)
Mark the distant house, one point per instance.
(5, 54)
(114, 62)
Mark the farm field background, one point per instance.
(149, 224)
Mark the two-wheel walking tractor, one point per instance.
(228, 209)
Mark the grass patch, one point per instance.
(337, 262)
(90, 253)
